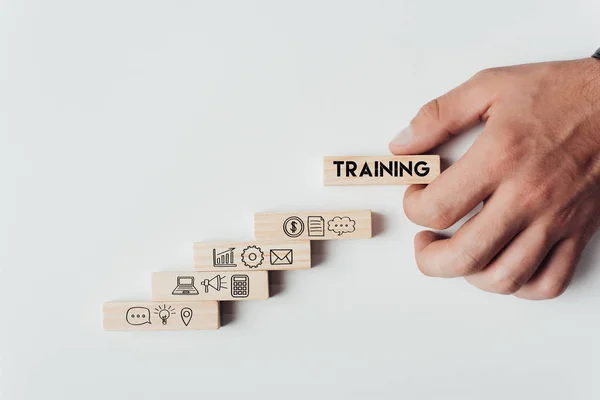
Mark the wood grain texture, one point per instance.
(150, 315)
(219, 285)
(248, 256)
(314, 225)
(384, 170)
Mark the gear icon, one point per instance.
(252, 256)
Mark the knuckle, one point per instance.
(504, 282)
(410, 210)
(551, 289)
(489, 73)
(510, 148)
(433, 214)
(483, 74)
(423, 267)
(535, 197)
(560, 219)
(466, 263)
(508, 153)
(440, 216)
(549, 231)
(431, 110)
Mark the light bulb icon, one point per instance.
(164, 316)
(164, 312)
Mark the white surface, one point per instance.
(130, 129)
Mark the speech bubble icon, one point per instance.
(138, 316)
(341, 225)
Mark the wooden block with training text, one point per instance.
(160, 316)
(385, 170)
(218, 285)
(317, 225)
(257, 255)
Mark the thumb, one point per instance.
(461, 108)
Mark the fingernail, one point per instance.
(404, 137)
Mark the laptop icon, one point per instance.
(185, 285)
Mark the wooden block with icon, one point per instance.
(385, 170)
(317, 225)
(256, 255)
(148, 315)
(217, 285)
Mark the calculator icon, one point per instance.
(240, 286)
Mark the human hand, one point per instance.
(536, 168)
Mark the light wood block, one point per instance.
(314, 225)
(248, 256)
(160, 316)
(385, 170)
(218, 285)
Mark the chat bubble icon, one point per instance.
(341, 225)
(138, 316)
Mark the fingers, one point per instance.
(473, 246)
(554, 275)
(455, 111)
(517, 263)
(454, 193)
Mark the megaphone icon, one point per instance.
(216, 283)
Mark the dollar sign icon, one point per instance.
(293, 227)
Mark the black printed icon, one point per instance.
(217, 283)
(164, 312)
(240, 286)
(137, 316)
(316, 226)
(186, 315)
(293, 227)
(281, 256)
(341, 225)
(185, 286)
(252, 256)
(224, 258)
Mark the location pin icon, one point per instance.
(186, 315)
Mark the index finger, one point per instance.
(457, 191)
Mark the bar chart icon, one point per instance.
(224, 258)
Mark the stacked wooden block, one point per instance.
(233, 271)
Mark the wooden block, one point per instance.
(161, 316)
(220, 285)
(315, 225)
(258, 255)
(386, 170)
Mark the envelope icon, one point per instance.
(282, 256)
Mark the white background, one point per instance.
(130, 129)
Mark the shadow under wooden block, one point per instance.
(228, 312)
(378, 223)
(276, 282)
(318, 252)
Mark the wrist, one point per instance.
(590, 85)
(590, 107)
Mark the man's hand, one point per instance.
(536, 168)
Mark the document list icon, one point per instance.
(316, 226)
